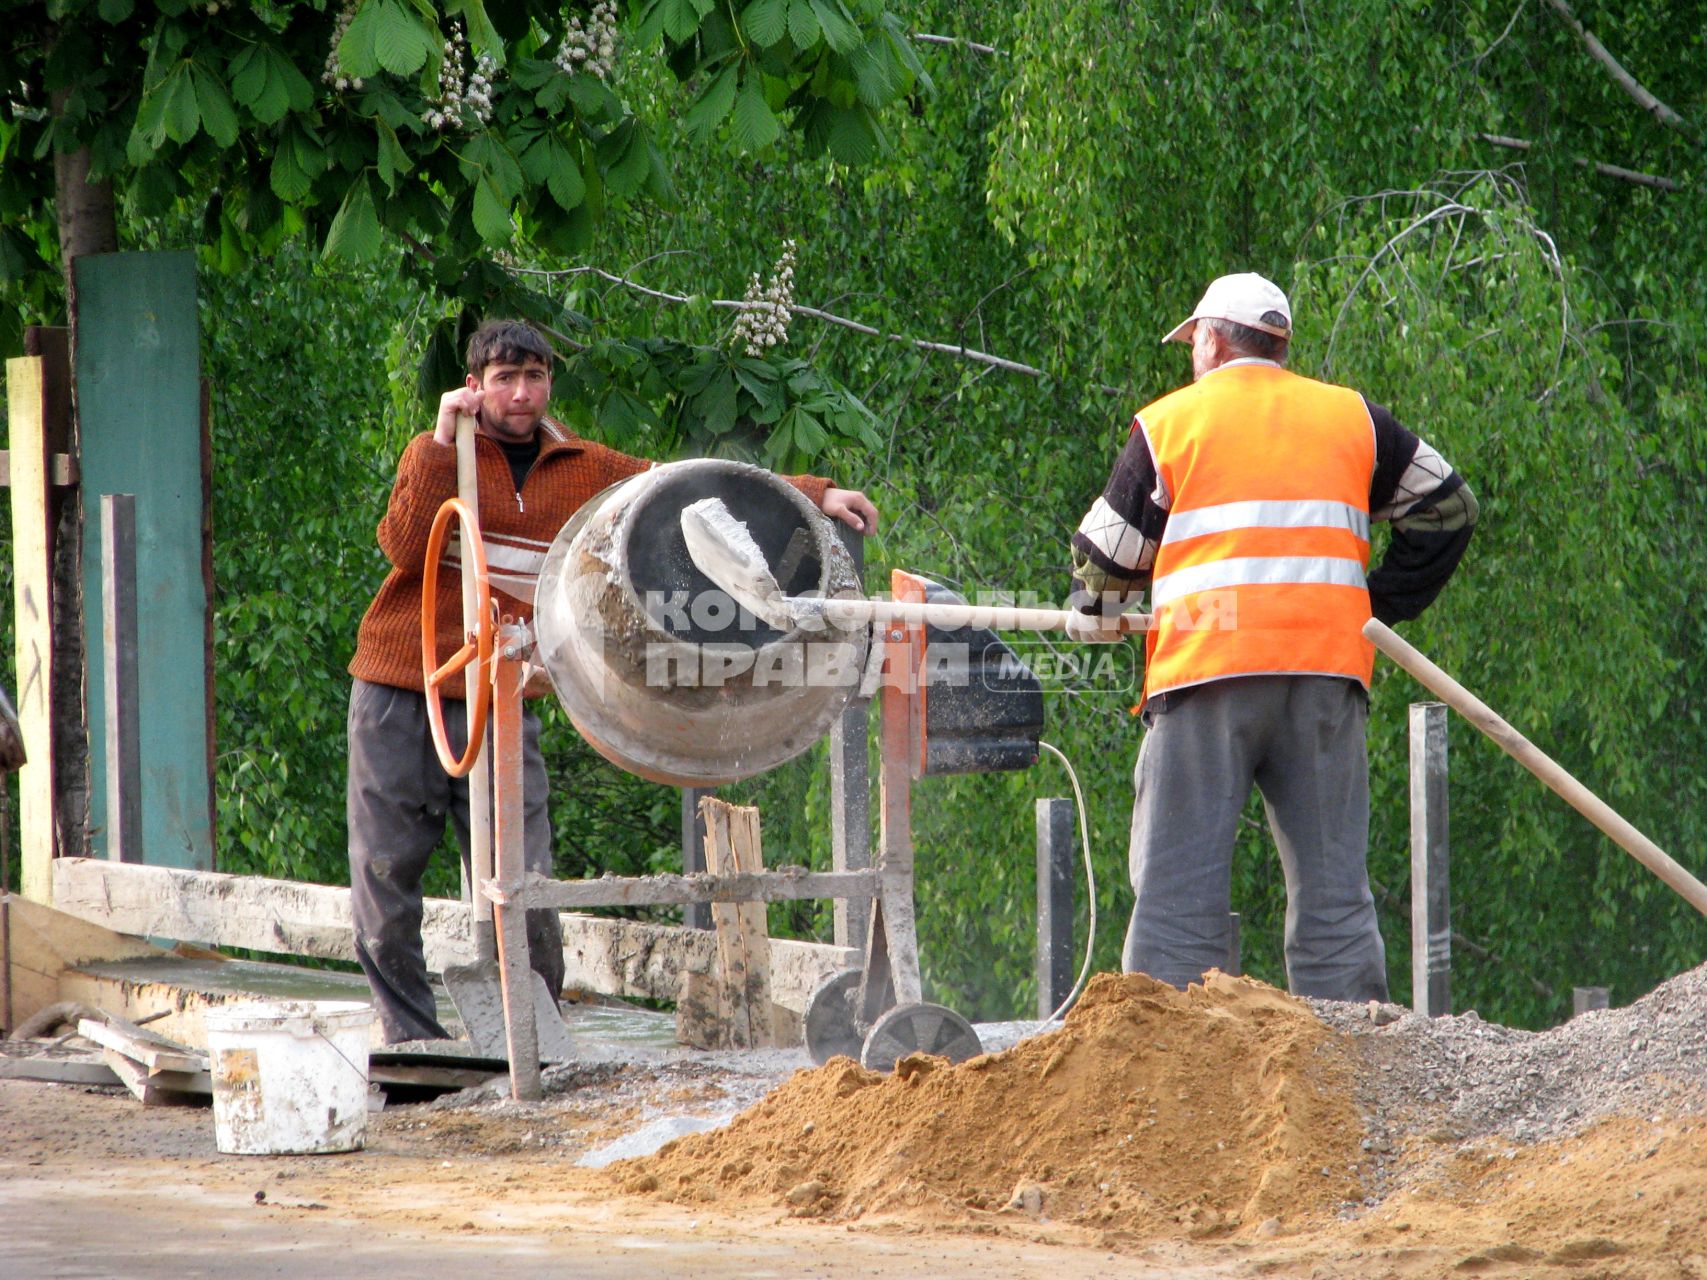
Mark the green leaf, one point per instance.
(809, 433)
(755, 125)
(354, 235)
(148, 134)
(491, 213)
(841, 34)
(625, 158)
(659, 185)
(712, 104)
(249, 75)
(487, 156)
(298, 92)
(802, 24)
(393, 159)
(853, 139)
(402, 41)
(219, 118)
(681, 19)
(564, 179)
(178, 104)
(878, 76)
(592, 99)
(356, 54)
(116, 11)
(18, 257)
(716, 404)
(288, 181)
(766, 20)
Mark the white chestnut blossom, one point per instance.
(762, 322)
(460, 96)
(334, 72)
(591, 48)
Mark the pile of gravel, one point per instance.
(1463, 1078)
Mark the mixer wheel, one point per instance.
(832, 1020)
(918, 1028)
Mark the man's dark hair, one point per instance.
(1254, 342)
(505, 342)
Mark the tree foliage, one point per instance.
(1061, 202)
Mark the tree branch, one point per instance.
(731, 304)
(1653, 180)
(1627, 82)
(965, 44)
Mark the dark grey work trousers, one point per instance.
(397, 800)
(1301, 740)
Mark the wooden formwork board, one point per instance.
(623, 958)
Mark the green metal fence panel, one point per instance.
(138, 373)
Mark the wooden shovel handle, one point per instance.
(1538, 762)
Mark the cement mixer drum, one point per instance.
(659, 669)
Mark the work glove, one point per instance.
(1093, 627)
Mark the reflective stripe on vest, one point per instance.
(1261, 565)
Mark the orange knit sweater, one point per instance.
(517, 529)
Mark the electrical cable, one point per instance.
(1090, 885)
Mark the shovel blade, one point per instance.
(723, 549)
(477, 991)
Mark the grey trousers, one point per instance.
(397, 799)
(1301, 740)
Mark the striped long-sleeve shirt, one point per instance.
(1430, 508)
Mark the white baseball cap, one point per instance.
(1244, 299)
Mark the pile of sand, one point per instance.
(1151, 1112)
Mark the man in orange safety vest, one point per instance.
(1243, 503)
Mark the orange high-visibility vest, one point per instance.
(1261, 566)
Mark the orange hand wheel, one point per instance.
(477, 646)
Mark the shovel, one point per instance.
(477, 988)
(724, 550)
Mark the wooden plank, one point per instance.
(58, 1070)
(46, 943)
(626, 958)
(62, 469)
(119, 677)
(732, 847)
(32, 614)
(151, 1056)
(161, 1088)
(784, 884)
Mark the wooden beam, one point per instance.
(32, 577)
(625, 958)
(784, 884)
(61, 470)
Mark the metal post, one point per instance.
(1235, 946)
(1431, 915)
(119, 671)
(1056, 845)
(1583, 999)
(850, 793)
(695, 915)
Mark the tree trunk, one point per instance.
(88, 223)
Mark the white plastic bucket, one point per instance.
(289, 1076)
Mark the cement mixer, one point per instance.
(662, 671)
(672, 679)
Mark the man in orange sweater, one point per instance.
(532, 475)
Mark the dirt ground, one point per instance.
(1209, 1135)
